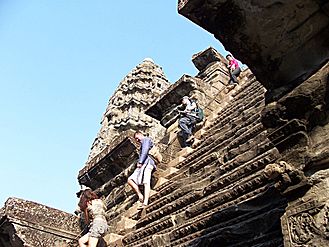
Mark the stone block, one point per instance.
(160, 182)
(185, 151)
(199, 135)
(175, 161)
(168, 171)
(207, 111)
(214, 105)
(159, 240)
(173, 136)
(212, 116)
(152, 193)
(202, 59)
(113, 239)
(132, 211)
(173, 127)
(125, 225)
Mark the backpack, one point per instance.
(155, 154)
(199, 112)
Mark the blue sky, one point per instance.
(60, 61)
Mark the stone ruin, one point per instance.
(29, 224)
(257, 173)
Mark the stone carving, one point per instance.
(125, 109)
(302, 228)
(298, 122)
(305, 222)
(283, 174)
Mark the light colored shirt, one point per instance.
(97, 209)
(190, 106)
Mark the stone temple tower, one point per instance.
(125, 110)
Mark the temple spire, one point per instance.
(125, 110)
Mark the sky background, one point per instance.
(60, 61)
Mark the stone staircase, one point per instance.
(198, 192)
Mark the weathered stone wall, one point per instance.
(298, 123)
(29, 224)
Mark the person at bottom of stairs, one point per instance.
(187, 121)
(93, 209)
(143, 172)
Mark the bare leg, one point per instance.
(136, 189)
(147, 190)
(92, 242)
(84, 240)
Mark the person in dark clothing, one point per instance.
(234, 70)
(143, 173)
(187, 120)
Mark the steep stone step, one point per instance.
(251, 170)
(164, 223)
(235, 215)
(195, 154)
(121, 208)
(173, 199)
(226, 100)
(239, 95)
(167, 224)
(220, 183)
(236, 123)
(194, 163)
(185, 151)
(233, 106)
(132, 211)
(219, 142)
(208, 203)
(174, 195)
(238, 108)
(167, 172)
(176, 161)
(161, 181)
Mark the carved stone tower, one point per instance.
(125, 110)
